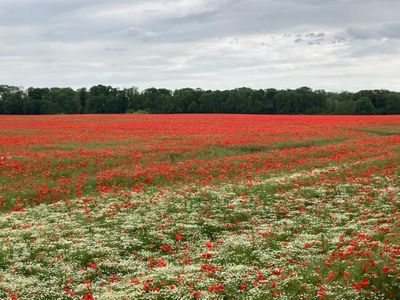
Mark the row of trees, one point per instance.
(107, 99)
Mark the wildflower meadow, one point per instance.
(199, 207)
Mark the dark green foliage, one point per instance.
(392, 103)
(107, 99)
(11, 100)
(364, 106)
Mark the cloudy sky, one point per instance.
(212, 44)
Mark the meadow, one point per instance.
(199, 206)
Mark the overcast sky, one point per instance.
(212, 44)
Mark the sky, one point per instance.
(334, 45)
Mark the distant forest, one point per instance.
(107, 99)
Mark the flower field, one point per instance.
(199, 206)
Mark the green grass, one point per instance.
(215, 151)
(389, 132)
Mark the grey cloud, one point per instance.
(116, 49)
(391, 31)
(202, 17)
(206, 43)
(310, 38)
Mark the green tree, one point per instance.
(82, 96)
(364, 106)
(105, 99)
(392, 103)
(34, 102)
(11, 100)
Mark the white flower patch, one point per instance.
(235, 241)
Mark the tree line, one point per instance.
(108, 99)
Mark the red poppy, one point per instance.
(178, 236)
(364, 282)
(87, 296)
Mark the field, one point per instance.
(199, 206)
